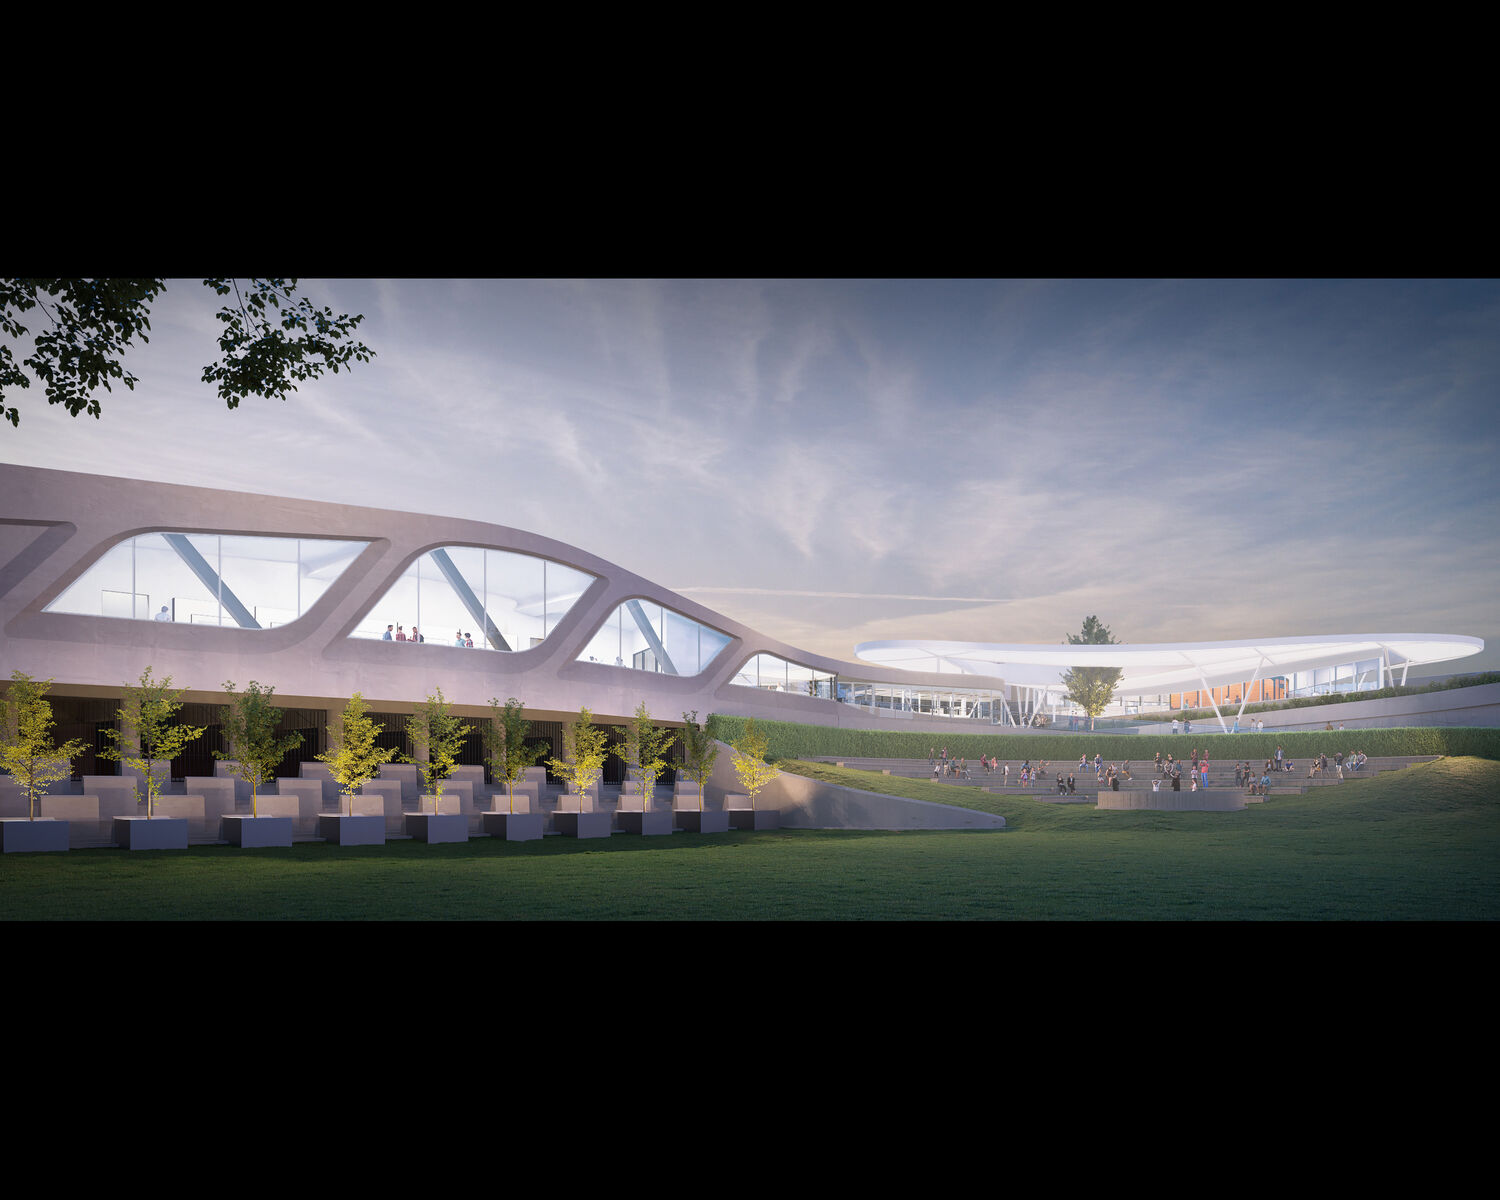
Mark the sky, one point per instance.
(839, 461)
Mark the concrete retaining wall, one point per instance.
(810, 804)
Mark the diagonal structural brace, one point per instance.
(465, 593)
(652, 640)
(209, 578)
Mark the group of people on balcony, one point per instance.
(397, 633)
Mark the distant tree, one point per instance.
(583, 753)
(353, 758)
(249, 722)
(750, 760)
(1092, 688)
(644, 746)
(149, 731)
(27, 753)
(505, 748)
(92, 322)
(436, 732)
(700, 751)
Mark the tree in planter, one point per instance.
(249, 721)
(436, 735)
(750, 760)
(700, 750)
(645, 744)
(149, 732)
(505, 748)
(1091, 688)
(583, 754)
(26, 750)
(353, 758)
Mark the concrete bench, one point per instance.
(389, 791)
(80, 812)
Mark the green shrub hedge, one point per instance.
(790, 740)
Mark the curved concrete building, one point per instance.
(1192, 674)
(101, 577)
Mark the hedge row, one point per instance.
(789, 740)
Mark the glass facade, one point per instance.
(644, 636)
(775, 674)
(496, 599)
(209, 579)
(895, 700)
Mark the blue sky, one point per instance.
(1190, 460)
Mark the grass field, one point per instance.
(1422, 844)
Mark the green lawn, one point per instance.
(1419, 844)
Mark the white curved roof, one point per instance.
(1168, 666)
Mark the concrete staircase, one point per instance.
(1221, 776)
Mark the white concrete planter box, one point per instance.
(151, 833)
(18, 835)
(582, 825)
(750, 819)
(702, 822)
(362, 829)
(514, 827)
(450, 804)
(651, 823)
(438, 827)
(247, 832)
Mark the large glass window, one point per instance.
(462, 595)
(772, 673)
(209, 579)
(645, 636)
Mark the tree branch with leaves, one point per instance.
(749, 763)
(272, 338)
(249, 721)
(505, 748)
(27, 752)
(149, 731)
(1092, 688)
(583, 755)
(700, 751)
(353, 758)
(644, 748)
(437, 735)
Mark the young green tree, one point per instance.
(149, 731)
(505, 748)
(645, 745)
(750, 760)
(27, 752)
(435, 730)
(270, 337)
(249, 723)
(583, 753)
(353, 758)
(1091, 688)
(700, 751)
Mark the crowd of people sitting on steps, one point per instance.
(1170, 771)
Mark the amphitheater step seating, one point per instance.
(1221, 775)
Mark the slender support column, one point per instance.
(1245, 697)
(1204, 680)
(209, 578)
(470, 601)
(660, 651)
